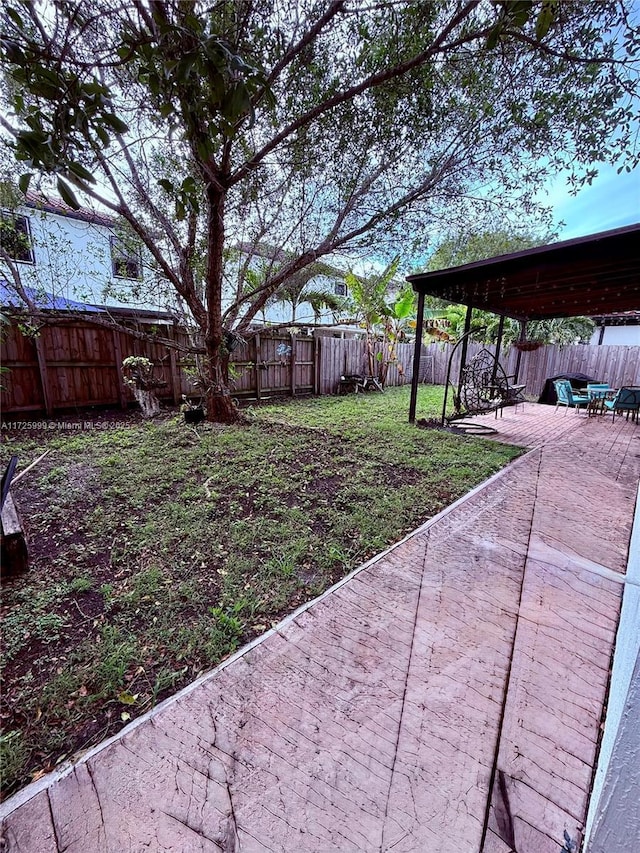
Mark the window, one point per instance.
(15, 237)
(340, 288)
(126, 260)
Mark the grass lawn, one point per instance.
(159, 549)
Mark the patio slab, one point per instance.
(447, 696)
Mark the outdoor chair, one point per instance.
(566, 396)
(626, 400)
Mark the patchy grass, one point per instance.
(157, 550)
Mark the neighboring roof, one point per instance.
(142, 314)
(49, 302)
(53, 205)
(592, 276)
(44, 301)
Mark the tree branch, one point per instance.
(371, 82)
(333, 9)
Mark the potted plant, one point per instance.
(194, 413)
(527, 345)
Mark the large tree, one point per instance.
(312, 126)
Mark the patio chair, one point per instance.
(626, 400)
(566, 396)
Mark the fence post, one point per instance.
(417, 349)
(117, 354)
(258, 376)
(176, 384)
(316, 364)
(44, 377)
(292, 362)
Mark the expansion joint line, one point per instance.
(507, 684)
(406, 683)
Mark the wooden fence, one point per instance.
(268, 366)
(75, 363)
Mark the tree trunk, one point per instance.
(220, 405)
(221, 409)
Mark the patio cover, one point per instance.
(593, 275)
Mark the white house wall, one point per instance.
(628, 336)
(72, 260)
(281, 313)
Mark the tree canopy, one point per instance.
(312, 126)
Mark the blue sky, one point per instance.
(611, 201)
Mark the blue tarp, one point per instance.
(44, 301)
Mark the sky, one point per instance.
(611, 201)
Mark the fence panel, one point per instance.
(76, 363)
(269, 366)
(339, 357)
(617, 365)
(21, 386)
(72, 363)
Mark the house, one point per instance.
(94, 299)
(620, 329)
(76, 260)
(64, 258)
(315, 299)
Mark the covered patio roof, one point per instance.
(593, 275)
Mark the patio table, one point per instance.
(597, 396)
(509, 395)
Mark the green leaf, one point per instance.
(67, 195)
(492, 38)
(166, 185)
(80, 172)
(183, 69)
(24, 181)
(404, 305)
(13, 53)
(520, 12)
(127, 698)
(46, 89)
(545, 19)
(116, 123)
(15, 17)
(103, 136)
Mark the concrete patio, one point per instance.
(447, 696)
